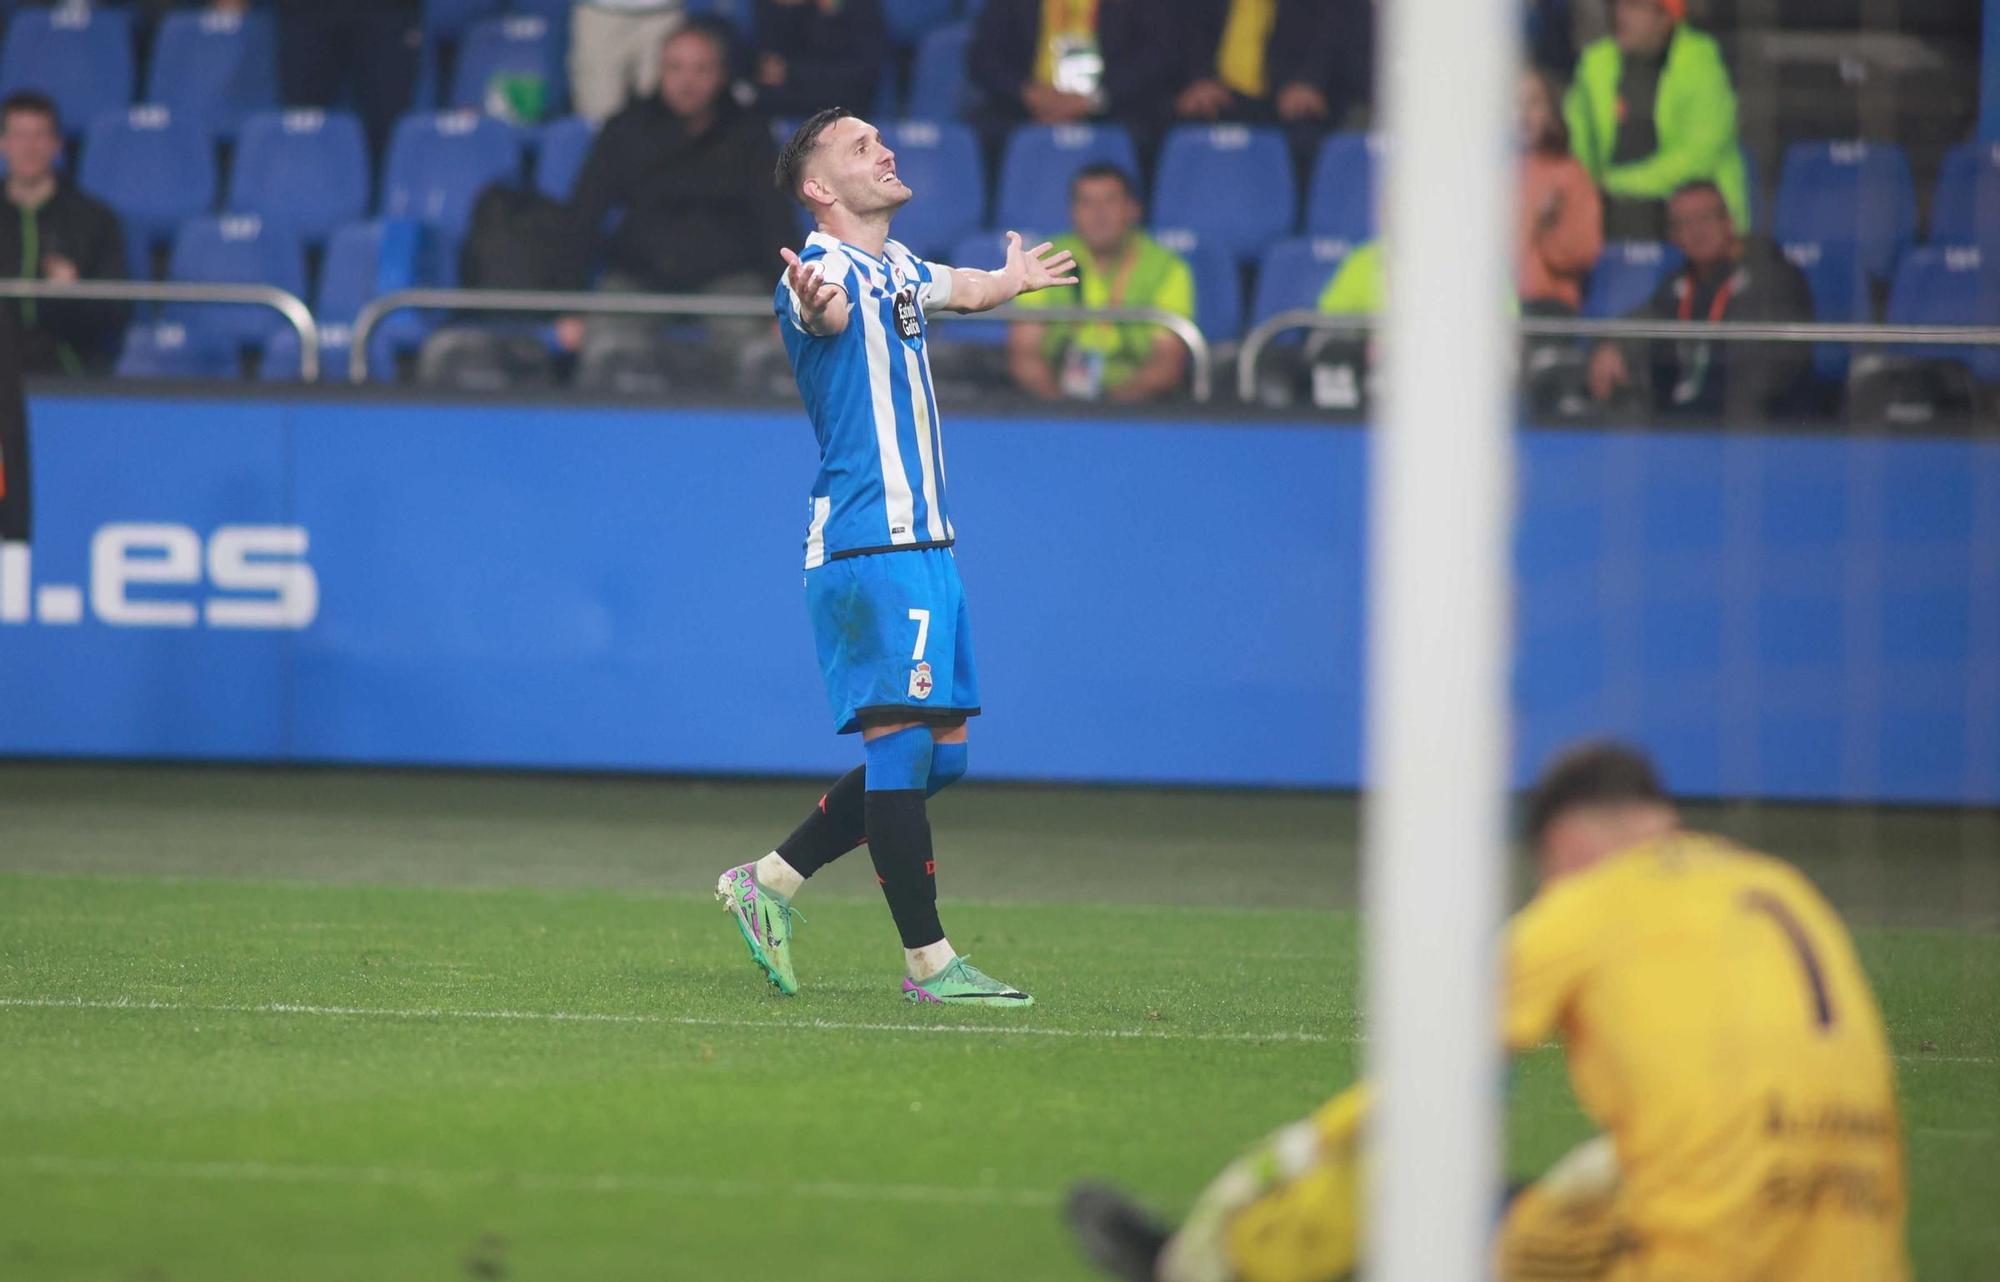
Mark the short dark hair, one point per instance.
(1600, 773)
(32, 103)
(718, 31)
(1694, 185)
(799, 149)
(1104, 169)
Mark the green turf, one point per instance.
(352, 1025)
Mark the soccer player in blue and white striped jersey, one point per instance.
(882, 586)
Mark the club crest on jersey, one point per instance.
(921, 684)
(907, 323)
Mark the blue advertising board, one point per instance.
(1173, 602)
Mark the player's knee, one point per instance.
(949, 762)
(899, 761)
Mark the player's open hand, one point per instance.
(815, 293)
(1042, 267)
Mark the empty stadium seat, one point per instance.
(937, 74)
(156, 169)
(511, 46)
(1230, 183)
(364, 260)
(1949, 285)
(440, 162)
(911, 20)
(1218, 283)
(1856, 192)
(1040, 161)
(1340, 204)
(557, 12)
(236, 249)
(561, 147)
(214, 68)
(80, 57)
(1626, 274)
(169, 349)
(1839, 293)
(307, 169)
(1966, 207)
(940, 162)
(1293, 274)
(450, 18)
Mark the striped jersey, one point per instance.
(868, 392)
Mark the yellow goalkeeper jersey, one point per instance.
(1720, 1029)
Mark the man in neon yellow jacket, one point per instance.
(1652, 108)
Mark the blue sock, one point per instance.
(948, 766)
(899, 762)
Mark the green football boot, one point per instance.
(962, 984)
(765, 918)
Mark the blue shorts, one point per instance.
(893, 639)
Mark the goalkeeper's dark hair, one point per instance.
(799, 148)
(1601, 773)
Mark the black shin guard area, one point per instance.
(899, 841)
(836, 826)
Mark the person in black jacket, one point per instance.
(51, 231)
(1118, 60)
(1304, 63)
(815, 54)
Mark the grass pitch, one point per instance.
(353, 1025)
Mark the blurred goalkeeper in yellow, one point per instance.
(1718, 1029)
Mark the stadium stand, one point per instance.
(1218, 283)
(1039, 162)
(169, 349)
(238, 249)
(1231, 184)
(514, 46)
(561, 147)
(79, 57)
(307, 169)
(937, 75)
(364, 260)
(1856, 192)
(155, 169)
(1292, 274)
(1626, 274)
(940, 160)
(1966, 206)
(1840, 296)
(911, 20)
(1340, 203)
(214, 69)
(440, 161)
(1949, 285)
(448, 19)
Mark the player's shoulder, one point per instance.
(896, 252)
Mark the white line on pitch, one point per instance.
(532, 1181)
(683, 1021)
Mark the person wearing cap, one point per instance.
(1650, 110)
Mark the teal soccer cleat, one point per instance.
(962, 984)
(765, 918)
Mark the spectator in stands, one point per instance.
(1561, 219)
(1120, 266)
(815, 54)
(1062, 62)
(614, 52)
(1343, 364)
(1651, 109)
(369, 51)
(1303, 63)
(692, 172)
(1726, 278)
(51, 231)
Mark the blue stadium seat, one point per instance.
(940, 162)
(561, 147)
(985, 251)
(236, 249)
(1949, 285)
(1848, 191)
(169, 349)
(911, 20)
(80, 57)
(440, 162)
(511, 46)
(1340, 204)
(1231, 183)
(1966, 206)
(214, 69)
(556, 11)
(937, 74)
(448, 19)
(1840, 296)
(1039, 162)
(1293, 274)
(155, 168)
(1218, 283)
(1626, 274)
(364, 260)
(307, 169)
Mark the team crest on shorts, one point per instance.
(920, 681)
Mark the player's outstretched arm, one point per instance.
(1027, 270)
(822, 304)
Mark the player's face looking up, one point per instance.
(853, 168)
(1104, 213)
(692, 74)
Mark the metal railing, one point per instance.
(288, 305)
(1200, 358)
(1261, 335)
